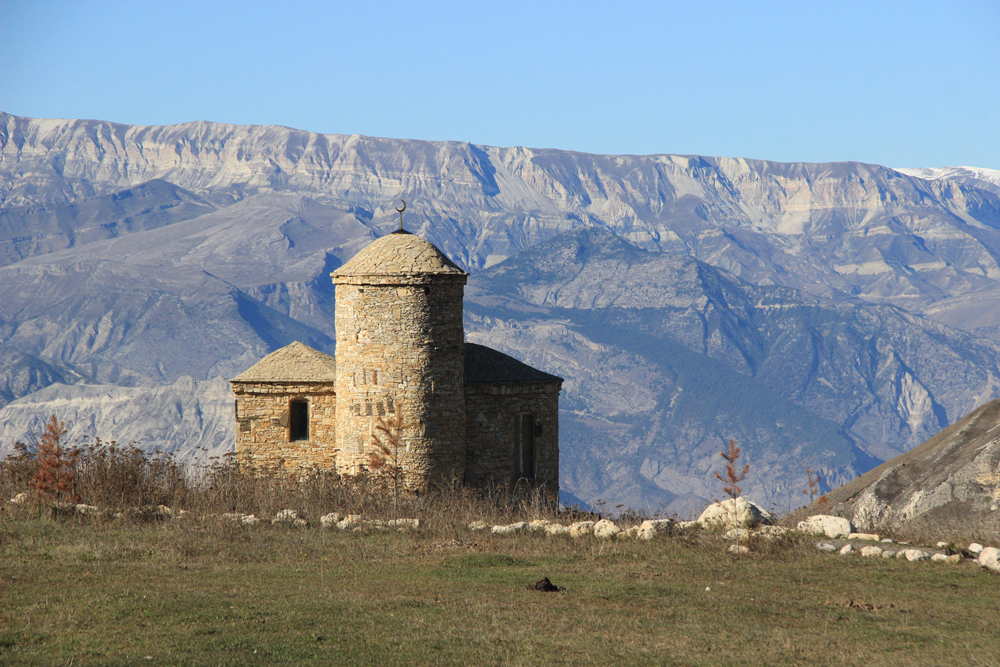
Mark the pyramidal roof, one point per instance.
(399, 253)
(293, 363)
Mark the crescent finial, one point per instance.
(400, 211)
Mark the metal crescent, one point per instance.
(400, 210)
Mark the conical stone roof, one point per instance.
(293, 363)
(399, 253)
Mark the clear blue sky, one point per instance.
(904, 84)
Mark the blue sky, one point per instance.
(904, 84)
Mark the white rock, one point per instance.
(942, 545)
(888, 553)
(825, 546)
(581, 528)
(847, 550)
(285, 516)
(886, 540)
(688, 525)
(403, 524)
(86, 509)
(736, 534)
(733, 513)
(329, 520)
(914, 555)
(300, 523)
(651, 528)
(478, 525)
(976, 548)
(557, 529)
(738, 549)
(538, 525)
(871, 551)
(990, 558)
(939, 558)
(351, 521)
(772, 532)
(511, 529)
(20, 498)
(824, 524)
(864, 537)
(606, 530)
(249, 520)
(633, 531)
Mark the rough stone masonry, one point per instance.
(468, 413)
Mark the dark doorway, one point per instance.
(298, 420)
(524, 446)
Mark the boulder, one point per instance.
(538, 525)
(990, 558)
(557, 529)
(581, 528)
(738, 549)
(734, 513)
(914, 555)
(823, 524)
(647, 530)
(888, 553)
(349, 522)
(329, 520)
(403, 524)
(864, 537)
(286, 517)
(511, 529)
(825, 546)
(871, 551)
(976, 548)
(606, 530)
(847, 550)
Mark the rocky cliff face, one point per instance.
(951, 483)
(139, 255)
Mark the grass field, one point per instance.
(194, 591)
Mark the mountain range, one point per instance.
(828, 316)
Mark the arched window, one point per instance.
(524, 446)
(298, 420)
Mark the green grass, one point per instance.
(203, 592)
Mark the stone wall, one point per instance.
(262, 429)
(400, 340)
(490, 421)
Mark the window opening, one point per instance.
(298, 420)
(524, 447)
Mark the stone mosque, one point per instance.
(469, 413)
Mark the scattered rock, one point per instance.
(286, 517)
(888, 553)
(350, 522)
(544, 585)
(847, 550)
(511, 529)
(736, 534)
(734, 513)
(824, 524)
(329, 520)
(403, 524)
(942, 545)
(738, 549)
(914, 555)
(606, 530)
(632, 531)
(886, 540)
(538, 525)
(478, 525)
(990, 558)
(20, 499)
(871, 551)
(976, 548)
(864, 537)
(647, 530)
(581, 528)
(772, 532)
(557, 529)
(825, 546)
(688, 525)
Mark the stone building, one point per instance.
(468, 412)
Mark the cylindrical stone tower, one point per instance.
(400, 339)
